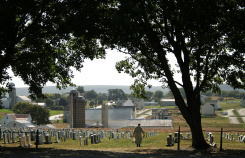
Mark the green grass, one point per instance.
(231, 104)
(126, 145)
(55, 112)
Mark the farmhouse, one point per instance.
(16, 120)
(161, 113)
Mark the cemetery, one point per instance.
(119, 140)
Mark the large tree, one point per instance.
(37, 42)
(115, 94)
(198, 34)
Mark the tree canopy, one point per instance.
(115, 94)
(37, 42)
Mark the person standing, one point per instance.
(138, 131)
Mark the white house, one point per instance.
(139, 103)
(208, 109)
(215, 103)
(22, 98)
(16, 120)
(128, 103)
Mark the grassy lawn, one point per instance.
(55, 112)
(231, 104)
(125, 145)
(3, 112)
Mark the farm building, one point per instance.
(16, 120)
(168, 102)
(161, 113)
(151, 123)
(208, 109)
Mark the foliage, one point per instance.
(63, 102)
(149, 95)
(37, 42)
(91, 94)
(38, 114)
(115, 94)
(20, 106)
(158, 95)
(49, 102)
(80, 89)
(91, 104)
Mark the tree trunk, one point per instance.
(193, 118)
(198, 140)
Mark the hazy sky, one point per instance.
(98, 72)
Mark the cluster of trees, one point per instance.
(39, 114)
(234, 94)
(54, 101)
(41, 40)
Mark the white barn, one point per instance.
(168, 102)
(208, 109)
(16, 120)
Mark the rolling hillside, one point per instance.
(97, 88)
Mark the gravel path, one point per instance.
(144, 115)
(241, 112)
(234, 120)
(56, 117)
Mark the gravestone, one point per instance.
(86, 141)
(80, 138)
(57, 138)
(29, 140)
(47, 139)
(243, 139)
(231, 137)
(5, 138)
(21, 142)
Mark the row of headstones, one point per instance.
(44, 136)
(22, 138)
(172, 140)
(118, 135)
(241, 138)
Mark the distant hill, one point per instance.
(105, 88)
(97, 88)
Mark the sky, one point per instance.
(97, 72)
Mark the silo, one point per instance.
(105, 115)
(73, 97)
(79, 113)
(12, 95)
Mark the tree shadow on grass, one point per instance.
(137, 153)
